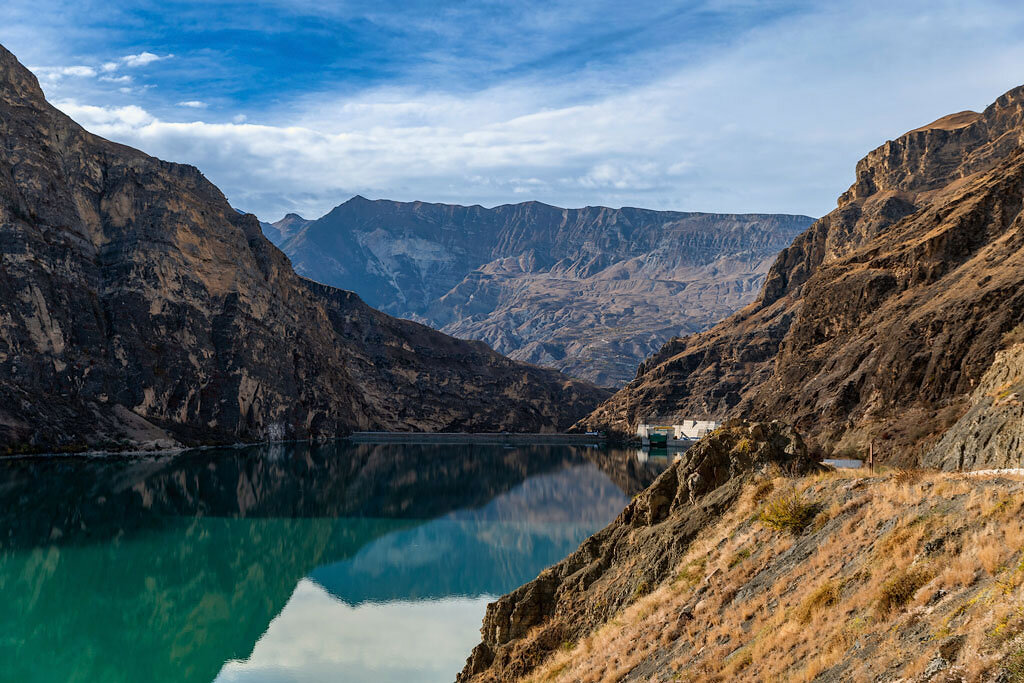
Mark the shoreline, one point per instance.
(483, 438)
(438, 438)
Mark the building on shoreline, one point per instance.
(667, 431)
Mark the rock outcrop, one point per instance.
(991, 434)
(881, 318)
(591, 291)
(138, 307)
(633, 554)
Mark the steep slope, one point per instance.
(990, 435)
(880, 318)
(137, 306)
(894, 579)
(588, 291)
(633, 554)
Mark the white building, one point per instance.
(673, 429)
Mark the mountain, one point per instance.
(136, 306)
(588, 291)
(880, 319)
(282, 230)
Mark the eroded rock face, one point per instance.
(991, 434)
(633, 554)
(137, 307)
(588, 291)
(883, 315)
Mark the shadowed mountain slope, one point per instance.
(136, 306)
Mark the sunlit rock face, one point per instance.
(591, 291)
(138, 308)
(880, 319)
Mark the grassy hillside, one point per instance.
(838, 576)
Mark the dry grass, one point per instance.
(892, 568)
(897, 591)
(788, 511)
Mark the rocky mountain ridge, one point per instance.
(138, 307)
(588, 291)
(879, 320)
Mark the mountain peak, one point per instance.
(17, 79)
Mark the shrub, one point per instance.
(746, 446)
(826, 595)
(788, 511)
(897, 591)
(762, 489)
(906, 477)
(739, 557)
(1014, 336)
(1013, 665)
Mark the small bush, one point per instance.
(1013, 665)
(746, 446)
(897, 591)
(1014, 336)
(762, 489)
(788, 511)
(906, 477)
(739, 557)
(826, 595)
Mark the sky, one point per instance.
(711, 105)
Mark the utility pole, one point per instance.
(871, 455)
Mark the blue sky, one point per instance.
(715, 105)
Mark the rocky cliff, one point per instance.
(881, 318)
(633, 554)
(136, 306)
(590, 291)
(990, 435)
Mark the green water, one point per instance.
(331, 563)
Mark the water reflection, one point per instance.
(286, 563)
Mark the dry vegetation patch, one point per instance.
(841, 576)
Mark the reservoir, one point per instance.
(336, 562)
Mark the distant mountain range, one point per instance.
(591, 292)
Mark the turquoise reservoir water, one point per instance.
(286, 563)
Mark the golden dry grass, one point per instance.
(891, 569)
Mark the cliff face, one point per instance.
(136, 306)
(990, 435)
(590, 291)
(880, 318)
(632, 555)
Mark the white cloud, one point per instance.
(131, 61)
(773, 123)
(116, 79)
(142, 59)
(55, 73)
(193, 104)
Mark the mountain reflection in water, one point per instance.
(283, 563)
